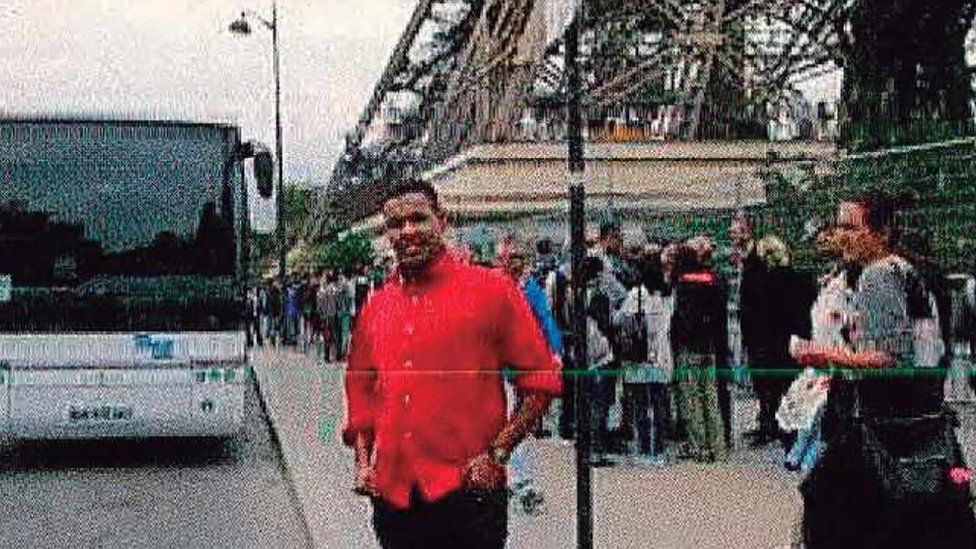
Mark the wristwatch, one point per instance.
(499, 454)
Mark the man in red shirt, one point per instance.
(426, 404)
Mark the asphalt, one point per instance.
(230, 493)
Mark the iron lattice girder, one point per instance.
(689, 39)
(697, 35)
(474, 83)
(484, 94)
(812, 27)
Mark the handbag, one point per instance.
(910, 458)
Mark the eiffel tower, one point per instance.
(465, 72)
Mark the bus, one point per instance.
(123, 263)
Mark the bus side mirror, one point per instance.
(264, 173)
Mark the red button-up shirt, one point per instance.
(424, 373)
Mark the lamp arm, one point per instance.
(251, 13)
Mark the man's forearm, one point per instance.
(533, 407)
(364, 448)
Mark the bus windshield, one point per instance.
(116, 228)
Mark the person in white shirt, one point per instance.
(644, 325)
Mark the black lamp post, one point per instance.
(243, 28)
(577, 221)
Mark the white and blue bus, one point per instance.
(123, 264)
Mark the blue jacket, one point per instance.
(539, 303)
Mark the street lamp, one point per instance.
(242, 27)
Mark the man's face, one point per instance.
(513, 263)
(740, 232)
(414, 228)
(855, 240)
(827, 242)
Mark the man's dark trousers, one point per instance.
(465, 519)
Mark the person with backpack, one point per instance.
(644, 329)
(604, 296)
(892, 473)
(512, 259)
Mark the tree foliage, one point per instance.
(906, 79)
(298, 208)
(298, 205)
(345, 252)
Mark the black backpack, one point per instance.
(559, 298)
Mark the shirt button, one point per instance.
(408, 364)
(414, 299)
(406, 399)
(408, 435)
(408, 329)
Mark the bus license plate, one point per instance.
(99, 413)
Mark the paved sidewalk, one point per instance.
(749, 503)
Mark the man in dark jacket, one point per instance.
(775, 304)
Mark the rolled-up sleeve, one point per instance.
(360, 380)
(522, 345)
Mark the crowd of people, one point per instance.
(650, 307)
(880, 463)
(658, 339)
(320, 307)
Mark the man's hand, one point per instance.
(807, 354)
(365, 481)
(484, 473)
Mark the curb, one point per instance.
(293, 495)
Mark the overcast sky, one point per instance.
(175, 59)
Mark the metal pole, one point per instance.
(574, 85)
(280, 199)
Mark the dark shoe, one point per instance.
(531, 502)
(759, 438)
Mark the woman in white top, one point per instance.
(644, 325)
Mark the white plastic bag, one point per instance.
(806, 395)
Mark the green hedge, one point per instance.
(941, 224)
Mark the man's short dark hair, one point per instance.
(686, 260)
(881, 208)
(412, 185)
(543, 246)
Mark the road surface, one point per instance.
(159, 493)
